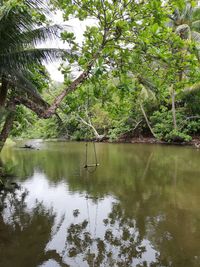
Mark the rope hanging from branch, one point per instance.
(90, 167)
(95, 163)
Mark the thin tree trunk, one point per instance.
(147, 121)
(174, 109)
(7, 126)
(3, 91)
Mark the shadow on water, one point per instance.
(140, 208)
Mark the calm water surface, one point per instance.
(141, 207)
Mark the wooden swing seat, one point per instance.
(91, 165)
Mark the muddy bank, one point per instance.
(151, 140)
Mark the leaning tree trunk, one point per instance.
(7, 126)
(88, 123)
(77, 82)
(49, 110)
(174, 109)
(3, 91)
(147, 121)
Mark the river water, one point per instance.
(140, 207)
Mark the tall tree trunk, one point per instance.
(7, 126)
(147, 121)
(174, 109)
(3, 91)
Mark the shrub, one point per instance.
(162, 122)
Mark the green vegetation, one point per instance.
(137, 71)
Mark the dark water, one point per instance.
(141, 207)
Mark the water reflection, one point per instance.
(140, 208)
(25, 232)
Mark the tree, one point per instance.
(116, 22)
(129, 39)
(21, 29)
(186, 21)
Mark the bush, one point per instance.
(176, 136)
(193, 126)
(162, 122)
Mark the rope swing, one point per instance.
(94, 164)
(89, 165)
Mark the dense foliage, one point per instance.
(138, 74)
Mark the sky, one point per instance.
(77, 27)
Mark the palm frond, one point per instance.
(12, 24)
(196, 36)
(38, 4)
(196, 14)
(146, 83)
(176, 15)
(193, 88)
(196, 25)
(19, 81)
(186, 14)
(146, 93)
(16, 19)
(19, 34)
(21, 59)
(39, 35)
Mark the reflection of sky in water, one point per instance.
(63, 202)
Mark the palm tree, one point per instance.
(186, 22)
(19, 35)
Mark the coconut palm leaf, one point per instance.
(21, 59)
(21, 83)
(192, 88)
(16, 19)
(187, 12)
(33, 37)
(176, 15)
(196, 36)
(196, 14)
(17, 30)
(40, 35)
(196, 25)
(186, 22)
(19, 34)
(147, 94)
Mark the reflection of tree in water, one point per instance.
(25, 233)
(158, 201)
(119, 245)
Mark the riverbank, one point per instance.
(151, 140)
(129, 140)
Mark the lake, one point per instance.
(139, 207)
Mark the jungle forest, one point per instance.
(99, 167)
(135, 74)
